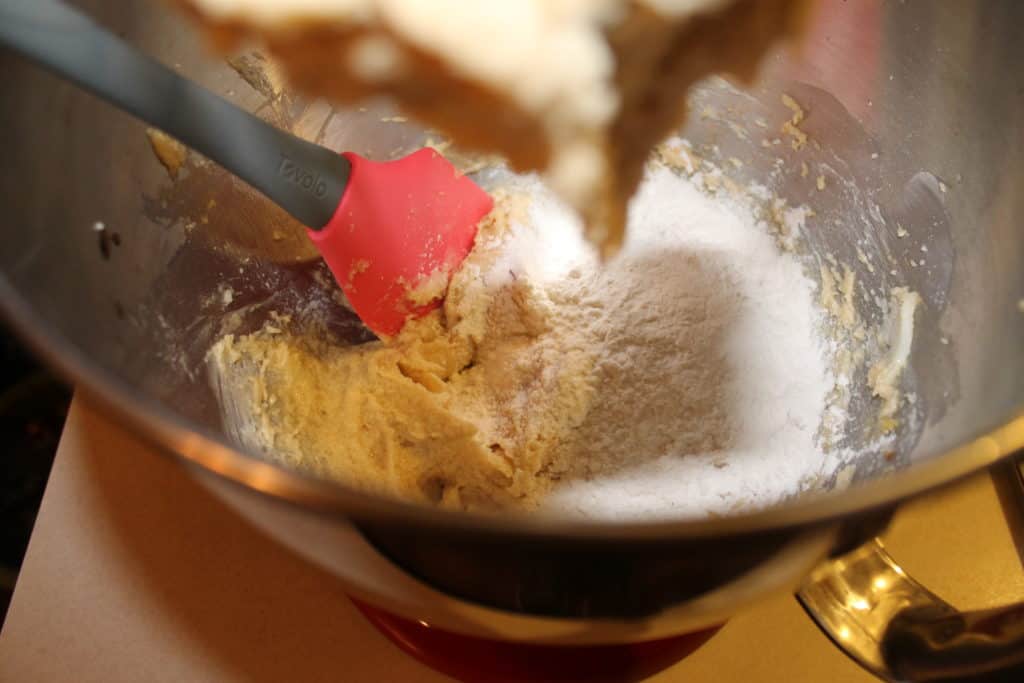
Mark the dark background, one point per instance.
(33, 406)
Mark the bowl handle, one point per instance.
(900, 631)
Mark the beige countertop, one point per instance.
(135, 573)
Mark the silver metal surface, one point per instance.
(918, 107)
(900, 631)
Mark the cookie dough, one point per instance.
(465, 408)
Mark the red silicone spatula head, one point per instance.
(401, 229)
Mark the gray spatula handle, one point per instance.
(305, 179)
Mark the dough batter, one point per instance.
(464, 408)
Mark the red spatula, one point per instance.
(392, 232)
(400, 230)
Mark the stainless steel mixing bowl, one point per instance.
(114, 274)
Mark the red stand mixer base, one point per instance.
(481, 660)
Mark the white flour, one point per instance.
(713, 380)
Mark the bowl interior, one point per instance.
(915, 112)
